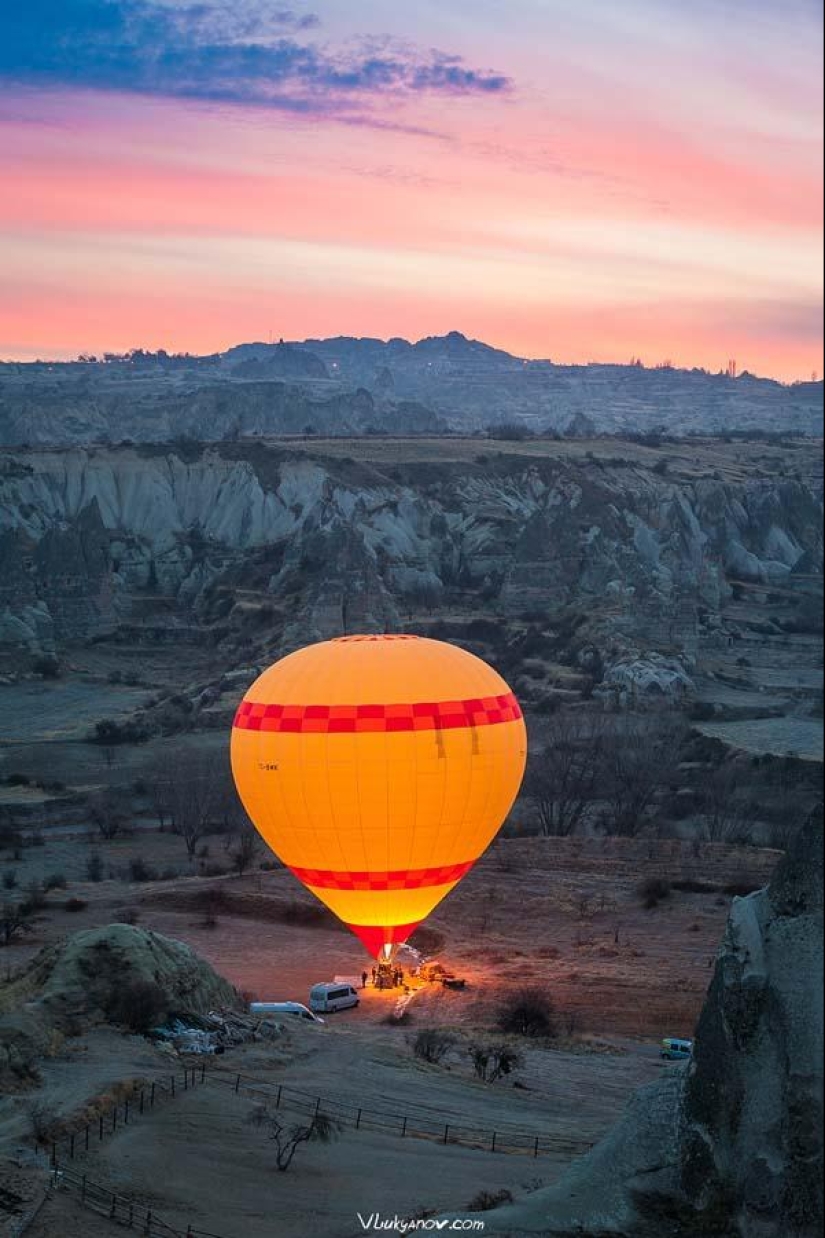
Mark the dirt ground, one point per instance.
(224, 1179)
(533, 912)
(564, 914)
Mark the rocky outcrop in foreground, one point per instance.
(731, 1146)
(80, 981)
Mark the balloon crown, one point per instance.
(342, 640)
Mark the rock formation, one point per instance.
(344, 386)
(732, 1145)
(89, 536)
(78, 982)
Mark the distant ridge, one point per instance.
(348, 386)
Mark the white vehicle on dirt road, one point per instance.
(332, 996)
(294, 1009)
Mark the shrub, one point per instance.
(54, 881)
(11, 840)
(398, 1020)
(214, 870)
(528, 1012)
(491, 1062)
(132, 731)
(652, 890)
(739, 889)
(309, 915)
(137, 1004)
(15, 919)
(510, 431)
(128, 915)
(46, 666)
(75, 904)
(689, 886)
(139, 870)
(432, 1044)
(94, 867)
(485, 1201)
(35, 898)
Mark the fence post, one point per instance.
(358, 1120)
(148, 1229)
(493, 1142)
(203, 1071)
(83, 1189)
(131, 1214)
(114, 1119)
(113, 1208)
(87, 1137)
(536, 1147)
(446, 1133)
(152, 1097)
(71, 1145)
(185, 1078)
(173, 1085)
(100, 1127)
(126, 1112)
(237, 1083)
(140, 1106)
(54, 1156)
(278, 1097)
(404, 1127)
(317, 1106)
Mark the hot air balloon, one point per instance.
(379, 768)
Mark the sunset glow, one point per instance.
(585, 182)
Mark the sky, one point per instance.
(577, 181)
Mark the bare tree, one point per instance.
(196, 797)
(161, 784)
(726, 814)
(564, 776)
(640, 759)
(246, 847)
(491, 1062)
(287, 1139)
(109, 812)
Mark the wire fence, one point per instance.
(351, 1116)
(304, 1105)
(118, 1208)
(278, 1097)
(124, 1112)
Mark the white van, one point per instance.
(295, 1009)
(332, 996)
(675, 1049)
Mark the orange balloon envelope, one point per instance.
(379, 768)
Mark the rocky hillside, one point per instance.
(473, 385)
(354, 386)
(83, 404)
(93, 976)
(731, 1146)
(256, 549)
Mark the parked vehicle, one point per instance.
(676, 1050)
(294, 1009)
(331, 996)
